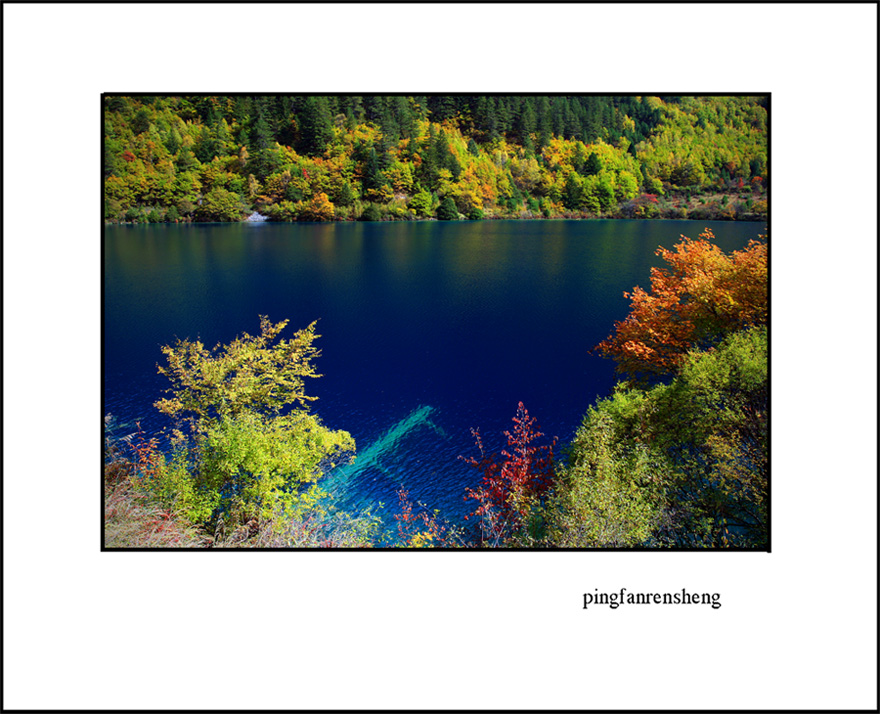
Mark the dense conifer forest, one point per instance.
(400, 157)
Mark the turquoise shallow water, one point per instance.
(427, 329)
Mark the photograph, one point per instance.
(436, 321)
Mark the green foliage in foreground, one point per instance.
(252, 450)
(681, 465)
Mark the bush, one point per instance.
(545, 208)
(533, 205)
(371, 213)
(244, 459)
(447, 210)
(421, 203)
(682, 464)
(284, 211)
(513, 484)
(112, 209)
(133, 520)
(221, 205)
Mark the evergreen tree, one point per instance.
(141, 121)
(116, 104)
(388, 121)
(527, 122)
(442, 107)
(207, 146)
(260, 135)
(542, 111)
(440, 151)
(504, 124)
(316, 126)
(373, 179)
(447, 210)
(571, 197)
(593, 165)
(579, 160)
(346, 195)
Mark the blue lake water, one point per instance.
(427, 329)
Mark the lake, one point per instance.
(428, 329)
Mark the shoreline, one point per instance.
(744, 218)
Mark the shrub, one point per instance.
(447, 210)
(513, 483)
(244, 457)
(421, 203)
(133, 520)
(221, 205)
(371, 213)
(682, 464)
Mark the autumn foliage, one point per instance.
(702, 296)
(513, 482)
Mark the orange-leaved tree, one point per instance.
(702, 296)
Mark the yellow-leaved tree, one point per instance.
(247, 448)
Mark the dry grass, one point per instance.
(338, 530)
(133, 521)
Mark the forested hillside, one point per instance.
(321, 158)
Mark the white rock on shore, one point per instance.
(257, 217)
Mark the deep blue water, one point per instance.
(465, 319)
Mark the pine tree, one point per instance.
(141, 121)
(527, 122)
(447, 210)
(372, 171)
(316, 126)
(593, 165)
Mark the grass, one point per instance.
(134, 520)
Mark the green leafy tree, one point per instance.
(627, 186)
(684, 464)
(221, 205)
(611, 491)
(371, 213)
(421, 203)
(605, 192)
(254, 450)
